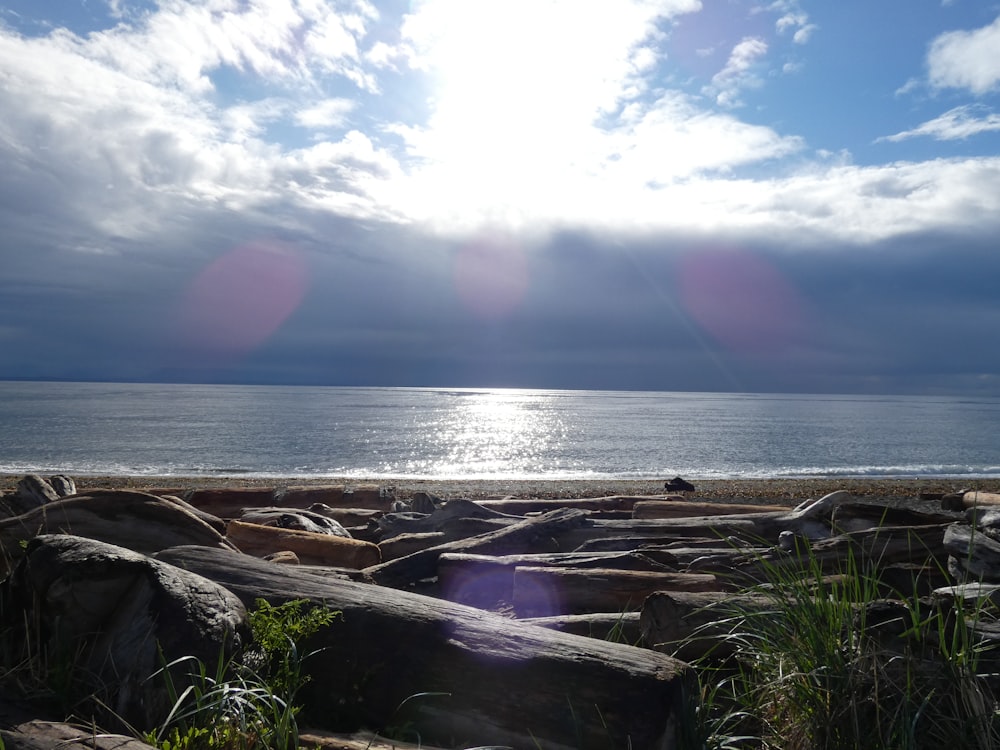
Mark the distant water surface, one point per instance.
(281, 431)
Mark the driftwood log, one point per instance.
(620, 627)
(690, 508)
(690, 624)
(811, 520)
(502, 682)
(52, 735)
(973, 554)
(544, 592)
(310, 547)
(613, 503)
(487, 581)
(134, 520)
(530, 535)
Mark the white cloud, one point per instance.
(966, 59)
(955, 124)
(521, 131)
(793, 19)
(324, 114)
(802, 35)
(738, 72)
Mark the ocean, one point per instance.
(447, 433)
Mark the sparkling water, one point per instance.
(393, 433)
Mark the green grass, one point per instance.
(830, 667)
(247, 703)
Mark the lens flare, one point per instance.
(241, 299)
(741, 300)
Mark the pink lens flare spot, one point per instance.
(491, 277)
(741, 300)
(238, 302)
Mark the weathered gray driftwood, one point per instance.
(134, 520)
(622, 627)
(52, 735)
(690, 624)
(864, 516)
(974, 554)
(116, 611)
(811, 520)
(286, 518)
(544, 592)
(527, 536)
(505, 683)
(392, 524)
(865, 549)
(487, 581)
(371, 497)
(229, 502)
(695, 509)
(524, 506)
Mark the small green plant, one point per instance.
(247, 703)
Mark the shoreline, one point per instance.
(787, 490)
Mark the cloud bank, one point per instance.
(554, 195)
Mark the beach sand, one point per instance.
(781, 491)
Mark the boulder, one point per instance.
(111, 613)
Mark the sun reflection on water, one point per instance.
(497, 432)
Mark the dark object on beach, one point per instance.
(678, 485)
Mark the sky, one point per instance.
(677, 195)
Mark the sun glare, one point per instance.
(518, 90)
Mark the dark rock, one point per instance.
(678, 485)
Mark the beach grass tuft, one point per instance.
(832, 665)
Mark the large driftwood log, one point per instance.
(311, 548)
(50, 735)
(974, 498)
(620, 627)
(545, 592)
(287, 518)
(864, 516)
(974, 554)
(810, 520)
(229, 502)
(528, 536)
(524, 506)
(690, 624)
(337, 496)
(694, 509)
(407, 544)
(503, 682)
(116, 613)
(393, 524)
(487, 581)
(866, 550)
(134, 520)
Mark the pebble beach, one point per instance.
(896, 491)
